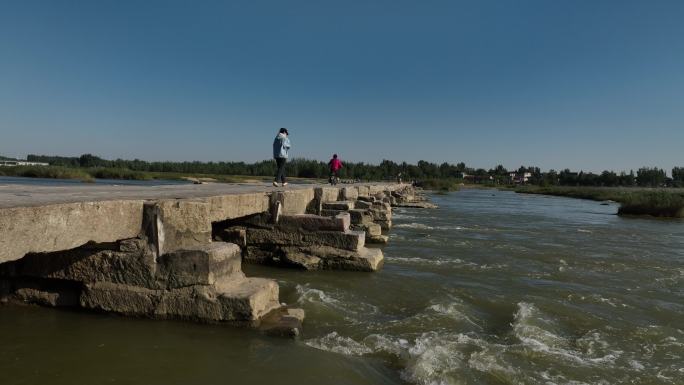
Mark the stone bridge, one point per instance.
(175, 251)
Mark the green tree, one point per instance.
(678, 176)
(650, 177)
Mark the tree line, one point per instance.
(387, 169)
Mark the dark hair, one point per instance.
(334, 155)
(284, 131)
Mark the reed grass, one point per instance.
(440, 185)
(633, 200)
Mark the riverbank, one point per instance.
(88, 175)
(440, 185)
(668, 203)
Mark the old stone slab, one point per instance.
(363, 190)
(296, 201)
(237, 205)
(312, 222)
(360, 216)
(202, 265)
(58, 227)
(339, 205)
(177, 224)
(371, 229)
(349, 193)
(244, 300)
(377, 239)
(327, 194)
(90, 263)
(283, 322)
(347, 240)
(236, 235)
(363, 205)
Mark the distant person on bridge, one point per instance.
(281, 146)
(335, 166)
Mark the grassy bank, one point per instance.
(53, 172)
(443, 185)
(633, 201)
(90, 174)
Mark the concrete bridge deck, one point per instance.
(26, 195)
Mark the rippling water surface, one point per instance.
(492, 288)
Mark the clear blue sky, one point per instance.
(582, 84)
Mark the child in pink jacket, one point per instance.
(335, 166)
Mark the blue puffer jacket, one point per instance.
(281, 145)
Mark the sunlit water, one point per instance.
(492, 288)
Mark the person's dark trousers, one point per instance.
(280, 175)
(333, 177)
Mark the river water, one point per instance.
(492, 288)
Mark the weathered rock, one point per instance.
(296, 201)
(363, 190)
(371, 229)
(202, 265)
(348, 240)
(340, 205)
(332, 213)
(366, 259)
(349, 193)
(317, 257)
(311, 222)
(236, 235)
(136, 266)
(375, 189)
(377, 239)
(177, 224)
(384, 206)
(237, 205)
(362, 205)
(65, 226)
(360, 216)
(300, 258)
(380, 215)
(385, 225)
(243, 300)
(327, 194)
(366, 198)
(33, 293)
(283, 322)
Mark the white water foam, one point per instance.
(456, 310)
(539, 334)
(433, 358)
(414, 225)
(336, 343)
(352, 310)
(311, 295)
(426, 261)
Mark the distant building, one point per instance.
(518, 178)
(12, 163)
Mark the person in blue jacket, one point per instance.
(281, 146)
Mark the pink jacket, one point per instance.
(335, 164)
